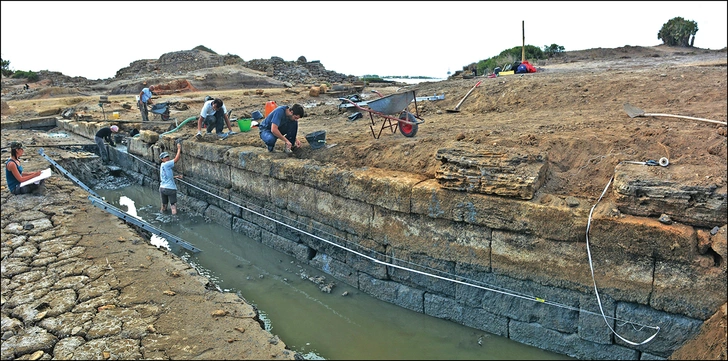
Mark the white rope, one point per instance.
(591, 265)
(461, 280)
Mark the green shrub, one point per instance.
(6, 67)
(678, 32)
(553, 49)
(30, 75)
(371, 78)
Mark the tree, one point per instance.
(553, 49)
(678, 32)
(6, 67)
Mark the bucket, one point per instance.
(270, 106)
(115, 115)
(316, 139)
(244, 124)
(257, 115)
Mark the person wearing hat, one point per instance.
(104, 134)
(167, 188)
(14, 172)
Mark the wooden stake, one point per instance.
(523, 48)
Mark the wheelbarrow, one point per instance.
(391, 111)
(161, 110)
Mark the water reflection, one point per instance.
(342, 324)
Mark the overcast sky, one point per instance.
(416, 38)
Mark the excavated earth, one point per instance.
(570, 114)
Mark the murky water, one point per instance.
(317, 324)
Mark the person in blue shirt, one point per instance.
(145, 98)
(213, 114)
(281, 123)
(14, 172)
(167, 187)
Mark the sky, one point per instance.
(415, 38)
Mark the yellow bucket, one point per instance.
(244, 124)
(115, 115)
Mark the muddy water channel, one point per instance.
(314, 314)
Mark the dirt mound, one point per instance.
(175, 86)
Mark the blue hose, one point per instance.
(179, 126)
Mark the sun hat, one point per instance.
(163, 155)
(16, 145)
(114, 128)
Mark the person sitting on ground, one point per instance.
(104, 134)
(281, 123)
(212, 114)
(145, 99)
(14, 172)
(167, 187)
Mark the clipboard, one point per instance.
(45, 173)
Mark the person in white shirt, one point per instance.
(212, 114)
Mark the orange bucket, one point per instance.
(270, 106)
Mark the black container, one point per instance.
(316, 139)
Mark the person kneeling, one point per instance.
(281, 123)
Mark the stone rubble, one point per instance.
(78, 283)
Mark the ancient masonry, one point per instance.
(504, 264)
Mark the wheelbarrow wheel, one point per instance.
(165, 116)
(407, 129)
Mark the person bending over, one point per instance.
(213, 114)
(281, 123)
(104, 134)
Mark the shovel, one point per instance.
(633, 111)
(457, 107)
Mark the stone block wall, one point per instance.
(502, 265)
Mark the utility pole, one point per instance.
(523, 47)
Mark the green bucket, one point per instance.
(244, 124)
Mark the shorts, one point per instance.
(168, 195)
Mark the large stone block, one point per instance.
(455, 241)
(557, 223)
(681, 289)
(637, 323)
(504, 172)
(559, 264)
(567, 344)
(393, 292)
(653, 191)
(643, 237)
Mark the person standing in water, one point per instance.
(167, 187)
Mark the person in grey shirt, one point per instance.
(167, 187)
